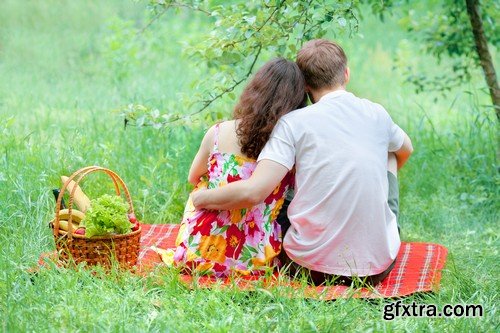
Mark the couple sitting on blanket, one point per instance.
(336, 160)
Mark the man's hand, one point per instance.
(403, 154)
(243, 193)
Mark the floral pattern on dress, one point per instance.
(244, 241)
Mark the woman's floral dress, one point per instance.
(244, 241)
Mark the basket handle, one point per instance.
(77, 176)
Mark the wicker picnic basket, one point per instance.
(96, 250)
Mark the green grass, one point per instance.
(66, 66)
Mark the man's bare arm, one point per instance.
(243, 193)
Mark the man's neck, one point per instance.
(316, 95)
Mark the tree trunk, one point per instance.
(484, 53)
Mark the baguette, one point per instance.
(79, 198)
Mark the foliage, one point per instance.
(443, 30)
(242, 31)
(107, 214)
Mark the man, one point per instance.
(346, 152)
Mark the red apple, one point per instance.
(132, 218)
(136, 226)
(80, 231)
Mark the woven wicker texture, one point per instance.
(96, 250)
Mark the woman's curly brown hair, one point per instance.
(276, 89)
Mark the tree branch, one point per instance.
(208, 102)
(153, 20)
(259, 28)
(165, 8)
(484, 53)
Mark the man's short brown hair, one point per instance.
(323, 64)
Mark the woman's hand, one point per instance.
(197, 198)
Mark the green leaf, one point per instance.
(107, 214)
(250, 20)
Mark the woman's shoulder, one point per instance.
(224, 127)
(213, 132)
(226, 137)
(227, 125)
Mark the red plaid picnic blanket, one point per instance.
(417, 269)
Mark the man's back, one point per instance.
(341, 222)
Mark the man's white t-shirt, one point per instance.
(340, 220)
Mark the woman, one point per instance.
(248, 240)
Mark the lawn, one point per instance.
(66, 70)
